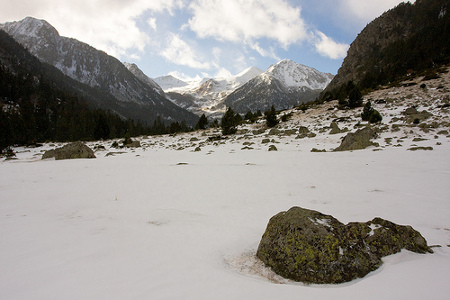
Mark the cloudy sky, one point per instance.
(206, 38)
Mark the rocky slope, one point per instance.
(283, 85)
(133, 97)
(404, 40)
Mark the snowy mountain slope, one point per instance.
(95, 68)
(205, 95)
(169, 82)
(283, 85)
(133, 68)
(294, 75)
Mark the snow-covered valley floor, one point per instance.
(160, 223)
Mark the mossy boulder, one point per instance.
(70, 151)
(360, 139)
(308, 246)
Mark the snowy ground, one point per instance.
(165, 222)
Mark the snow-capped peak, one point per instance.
(31, 28)
(247, 75)
(293, 74)
(169, 82)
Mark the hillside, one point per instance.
(39, 103)
(129, 96)
(404, 41)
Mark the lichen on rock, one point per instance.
(308, 246)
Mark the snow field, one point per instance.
(140, 226)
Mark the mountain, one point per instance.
(133, 68)
(405, 40)
(39, 103)
(169, 82)
(283, 85)
(205, 96)
(129, 96)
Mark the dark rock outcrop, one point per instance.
(70, 151)
(308, 246)
(360, 139)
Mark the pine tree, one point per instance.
(354, 98)
(271, 117)
(229, 123)
(370, 114)
(367, 111)
(202, 123)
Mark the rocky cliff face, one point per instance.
(408, 38)
(83, 63)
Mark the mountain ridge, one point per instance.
(82, 62)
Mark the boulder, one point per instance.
(275, 131)
(303, 132)
(133, 144)
(70, 151)
(308, 246)
(412, 115)
(334, 128)
(360, 139)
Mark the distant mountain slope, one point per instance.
(406, 39)
(206, 95)
(283, 85)
(133, 98)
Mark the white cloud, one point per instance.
(367, 10)
(184, 77)
(109, 25)
(223, 73)
(152, 23)
(325, 46)
(264, 52)
(247, 20)
(179, 52)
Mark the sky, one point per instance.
(208, 38)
